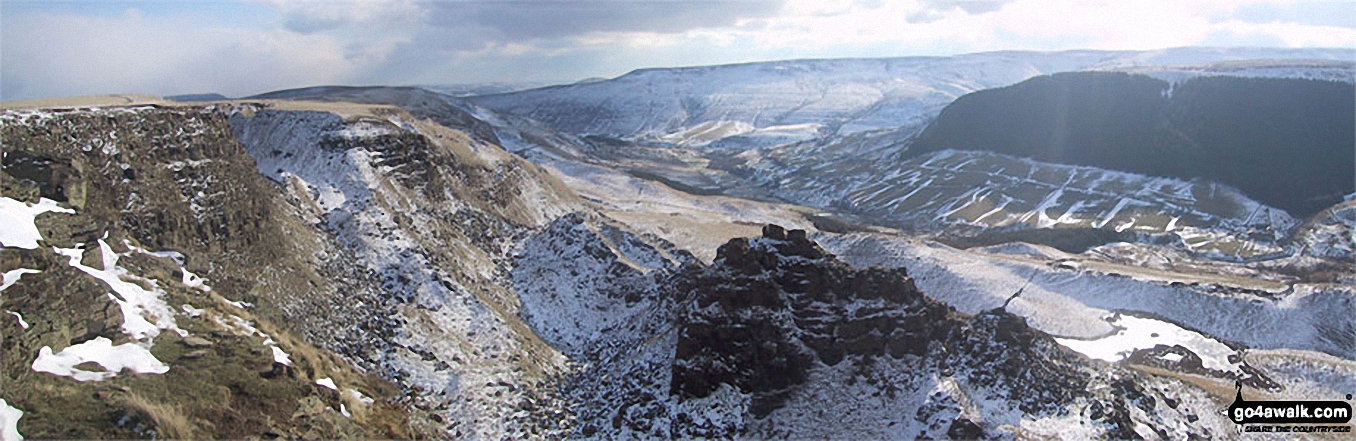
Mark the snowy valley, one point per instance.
(763, 250)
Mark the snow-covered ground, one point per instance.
(9, 422)
(1137, 333)
(698, 224)
(696, 105)
(362, 179)
(144, 311)
(1331, 233)
(114, 359)
(581, 281)
(1073, 303)
(997, 191)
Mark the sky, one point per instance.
(51, 48)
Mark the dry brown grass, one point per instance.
(170, 422)
(83, 101)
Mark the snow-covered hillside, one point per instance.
(996, 191)
(1070, 297)
(834, 135)
(1331, 233)
(344, 270)
(1343, 70)
(145, 268)
(433, 215)
(775, 102)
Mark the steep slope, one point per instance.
(1077, 295)
(759, 104)
(1285, 142)
(165, 254)
(778, 338)
(432, 215)
(421, 103)
(332, 260)
(978, 193)
(382, 239)
(1330, 233)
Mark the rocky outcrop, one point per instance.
(200, 240)
(378, 237)
(770, 308)
(781, 322)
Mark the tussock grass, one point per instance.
(170, 422)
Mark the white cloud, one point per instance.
(315, 16)
(62, 54)
(1295, 34)
(62, 51)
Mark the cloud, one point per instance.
(47, 54)
(969, 6)
(1292, 34)
(52, 49)
(310, 16)
(519, 20)
(1333, 13)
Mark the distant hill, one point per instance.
(198, 97)
(1285, 142)
(423, 103)
(755, 102)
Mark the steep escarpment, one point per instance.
(422, 103)
(584, 281)
(146, 303)
(432, 215)
(1284, 142)
(315, 261)
(778, 338)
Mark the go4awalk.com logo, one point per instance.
(1289, 416)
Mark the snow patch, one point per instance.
(327, 382)
(22, 324)
(114, 359)
(1143, 333)
(238, 304)
(12, 276)
(360, 397)
(280, 356)
(194, 281)
(136, 302)
(9, 422)
(18, 218)
(191, 311)
(245, 328)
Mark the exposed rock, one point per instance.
(196, 342)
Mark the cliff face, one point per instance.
(371, 246)
(169, 234)
(778, 338)
(430, 216)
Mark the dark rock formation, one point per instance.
(773, 307)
